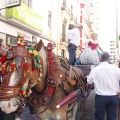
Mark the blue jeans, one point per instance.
(72, 54)
(106, 104)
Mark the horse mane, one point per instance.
(43, 55)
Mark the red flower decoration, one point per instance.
(21, 92)
(26, 65)
(3, 59)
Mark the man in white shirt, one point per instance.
(106, 85)
(73, 37)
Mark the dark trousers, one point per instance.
(4, 116)
(106, 104)
(72, 54)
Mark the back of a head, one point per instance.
(71, 26)
(104, 57)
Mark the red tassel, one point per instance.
(3, 69)
(26, 65)
(13, 66)
(3, 59)
(21, 92)
(34, 69)
(18, 44)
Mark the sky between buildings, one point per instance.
(107, 21)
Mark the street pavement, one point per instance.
(90, 107)
(26, 116)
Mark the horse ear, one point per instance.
(39, 45)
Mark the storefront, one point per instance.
(23, 20)
(20, 20)
(9, 33)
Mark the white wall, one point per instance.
(12, 30)
(2, 5)
(43, 9)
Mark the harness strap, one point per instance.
(70, 73)
(36, 100)
(25, 73)
(51, 87)
(6, 92)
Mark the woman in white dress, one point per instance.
(89, 55)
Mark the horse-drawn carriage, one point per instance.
(46, 81)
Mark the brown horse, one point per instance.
(44, 86)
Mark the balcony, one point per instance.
(64, 7)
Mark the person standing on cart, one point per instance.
(73, 36)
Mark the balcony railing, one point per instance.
(66, 8)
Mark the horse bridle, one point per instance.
(7, 92)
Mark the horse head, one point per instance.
(20, 71)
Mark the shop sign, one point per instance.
(26, 37)
(13, 3)
(25, 15)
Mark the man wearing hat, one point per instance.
(73, 37)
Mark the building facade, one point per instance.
(48, 21)
(32, 19)
(69, 14)
(84, 20)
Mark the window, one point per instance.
(49, 20)
(62, 53)
(71, 10)
(112, 44)
(64, 3)
(112, 52)
(112, 48)
(112, 41)
(64, 31)
(27, 2)
(11, 40)
(91, 5)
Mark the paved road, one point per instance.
(90, 107)
(26, 116)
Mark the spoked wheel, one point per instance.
(81, 110)
(69, 114)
